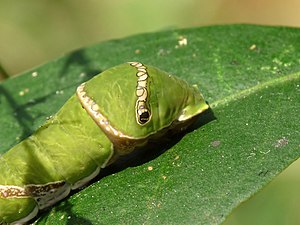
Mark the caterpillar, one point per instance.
(109, 116)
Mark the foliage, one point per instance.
(250, 77)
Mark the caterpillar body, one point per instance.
(109, 116)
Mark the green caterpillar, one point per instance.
(109, 116)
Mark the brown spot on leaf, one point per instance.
(215, 143)
(281, 142)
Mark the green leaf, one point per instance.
(250, 75)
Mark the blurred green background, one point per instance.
(35, 31)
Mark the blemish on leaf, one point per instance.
(252, 47)
(252, 154)
(265, 68)
(264, 153)
(83, 74)
(182, 41)
(34, 74)
(277, 61)
(59, 92)
(158, 205)
(281, 142)
(263, 173)
(23, 92)
(215, 143)
(49, 117)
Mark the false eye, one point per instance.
(143, 114)
(144, 117)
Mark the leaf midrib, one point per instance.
(250, 90)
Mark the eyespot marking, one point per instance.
(142, 110)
